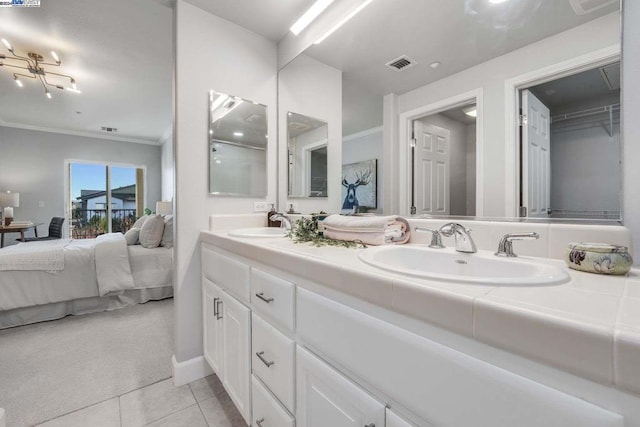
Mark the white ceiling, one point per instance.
(269, 18)
(457, 33)
(120, 54)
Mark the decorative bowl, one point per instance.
(600, 258)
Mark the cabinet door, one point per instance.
(212, 324)
(236, 347)
(326, 398)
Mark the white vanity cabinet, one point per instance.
(327, 398)
(227, 325)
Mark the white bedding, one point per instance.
(46, 255)
(78, 279)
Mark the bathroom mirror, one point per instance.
(237, 146)
(307, 154)
(433, 57)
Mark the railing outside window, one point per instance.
(90, 223)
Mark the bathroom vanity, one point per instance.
(312, 336)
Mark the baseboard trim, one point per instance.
(189, 370)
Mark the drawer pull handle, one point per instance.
(263, 298)
(259, 422)
(216, 310)
(215, 307)
(263, 360)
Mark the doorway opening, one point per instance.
(570, 152)
(443, 161)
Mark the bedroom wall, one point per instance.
(168, 179)
(211, 54)
(32, 163)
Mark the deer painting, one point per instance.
(363, 177)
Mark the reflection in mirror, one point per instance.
(307, 154)
(237, 146)
(444, 162)
(571, 146)
(476, 46)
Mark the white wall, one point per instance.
(585, 167)
(314, 89)
(363, 146)
(457, 161)
(491, 76)
(211, 54)
(32, 163)
(630, 122)
(168, 179)
(471, 169)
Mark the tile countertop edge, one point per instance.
(475, 315)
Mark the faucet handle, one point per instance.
(436, 237)
(505, 247)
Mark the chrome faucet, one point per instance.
(436, 237)
(464, 242)
(285, 222)
(505, 247)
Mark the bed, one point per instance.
(48, 280)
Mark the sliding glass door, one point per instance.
(103, 198)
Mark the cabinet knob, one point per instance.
(263, 360)
(263, 298)
(259, 422)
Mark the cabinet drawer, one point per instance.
(272, 297)
(272, 360)
(226, 272)
(266, 411)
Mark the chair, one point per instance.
(55, 231)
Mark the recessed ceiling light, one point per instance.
(238, 134)
(307, 18)
(435, 64)
(470, 111)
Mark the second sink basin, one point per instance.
(259, 232)
(445, 264)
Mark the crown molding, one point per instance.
(361, 134)
(81, 133)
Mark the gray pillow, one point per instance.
(151, 231)
(140, 222)
(167, 236)
(132, 236)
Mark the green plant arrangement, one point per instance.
(306, 230)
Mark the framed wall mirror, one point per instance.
(307, 140)
(435, 58)
(237, 146)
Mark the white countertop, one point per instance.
(589, 326)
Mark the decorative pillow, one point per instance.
(151, 231)
(167, 236)
(132, 236)
(140, 222)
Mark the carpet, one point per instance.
(49, 369)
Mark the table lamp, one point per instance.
(164, 208)
(8, 201)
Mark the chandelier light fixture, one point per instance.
(34, 64)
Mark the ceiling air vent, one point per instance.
(401, 63)
(109, 129)
(582, 7)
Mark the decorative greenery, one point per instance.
(306, 230)
(147, 211)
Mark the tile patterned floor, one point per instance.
(202, 403)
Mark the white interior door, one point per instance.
(432, 169)
(536, 157)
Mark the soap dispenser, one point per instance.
(269, 214)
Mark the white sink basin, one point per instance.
(446, 264)
(259, 232)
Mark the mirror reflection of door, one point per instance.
(444, 162)
(571, 146)
(307, 153)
